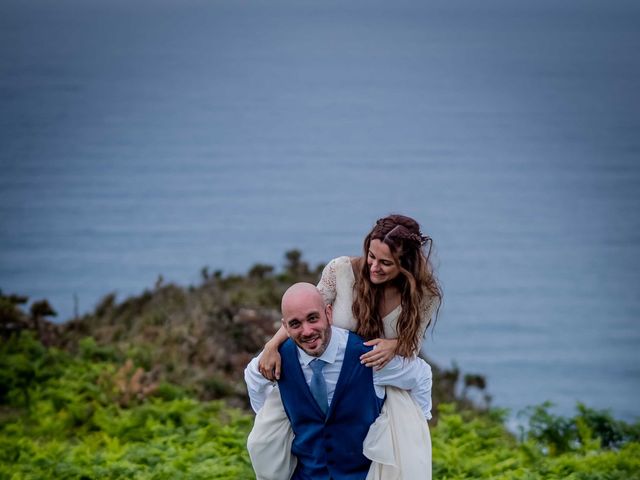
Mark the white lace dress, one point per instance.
(398, 443)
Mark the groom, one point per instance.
(331, 399)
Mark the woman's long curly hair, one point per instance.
(416, 282)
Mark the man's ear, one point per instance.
(284, 325)
(328, 310)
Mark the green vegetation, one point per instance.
(152, 388)
(471, 446)
(84, 416)
(63, 417)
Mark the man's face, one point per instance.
(308, 322)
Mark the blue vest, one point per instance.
(330, 447)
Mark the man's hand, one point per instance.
(383, 351)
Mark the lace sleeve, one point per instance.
(327, 283)
(428, 311)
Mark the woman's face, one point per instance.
(382, 265)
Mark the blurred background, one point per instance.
(150, 138)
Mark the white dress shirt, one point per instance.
(412, 374)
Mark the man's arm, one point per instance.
(257, 386)
(413, 374)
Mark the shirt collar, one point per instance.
(329, 354)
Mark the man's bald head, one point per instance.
(302, 291)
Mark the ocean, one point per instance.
(150, 138)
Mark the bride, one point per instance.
(388, 296)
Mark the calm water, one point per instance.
(160, 137)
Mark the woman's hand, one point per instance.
(384, 351)
(269, 364)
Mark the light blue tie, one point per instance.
(318, 386)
